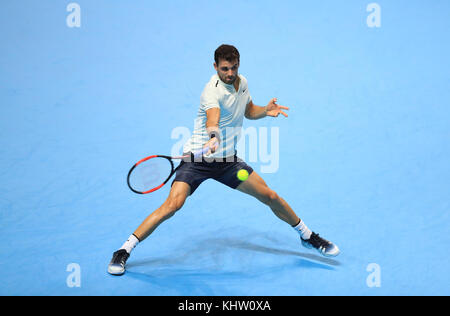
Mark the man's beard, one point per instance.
(229, 81)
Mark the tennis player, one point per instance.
(224, 103)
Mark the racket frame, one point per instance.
(172, 172)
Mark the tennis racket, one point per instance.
(153, 172)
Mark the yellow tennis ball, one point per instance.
(242, 175)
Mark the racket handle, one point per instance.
(200, 153)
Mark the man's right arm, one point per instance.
(212, 127)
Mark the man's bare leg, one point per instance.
(256, 187)
(177, 196)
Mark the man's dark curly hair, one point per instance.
(227, 52)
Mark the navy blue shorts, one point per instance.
(194, 173)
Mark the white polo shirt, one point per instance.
(232, 104)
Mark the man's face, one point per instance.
(227, 71)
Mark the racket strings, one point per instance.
(150, 174)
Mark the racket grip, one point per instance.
(201, 152)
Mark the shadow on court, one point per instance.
(210, 253)
(218, 244)
(227, 261)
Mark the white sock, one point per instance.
(303, 230)
(130, 243)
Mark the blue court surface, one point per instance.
(87, 88)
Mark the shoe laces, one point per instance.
(120, 257)
(318, 242)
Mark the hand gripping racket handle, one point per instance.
(200, 153)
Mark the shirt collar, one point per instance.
(230, 87)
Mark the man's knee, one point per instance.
(270, 197)
(175, 202)
(177, 197)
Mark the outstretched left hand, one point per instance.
(274, 109)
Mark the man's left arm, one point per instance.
(255, 112)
